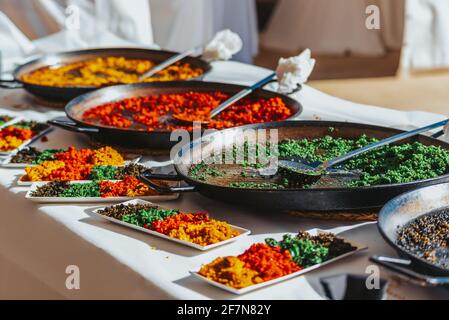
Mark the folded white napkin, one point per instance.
(294, 71)
(223, 46)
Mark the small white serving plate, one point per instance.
(132, 158)
(13, 120)
(34, 186)
(277, 280)
(243, 232)
(27, 142)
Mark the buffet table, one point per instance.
(38, 242)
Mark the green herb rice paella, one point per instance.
(391, 164)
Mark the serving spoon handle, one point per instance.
(175, 58)
(400, 136)
(241, 94)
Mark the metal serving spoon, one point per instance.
(161, 66)
(224, 105)
(317, 169)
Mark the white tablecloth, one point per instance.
(38, 242)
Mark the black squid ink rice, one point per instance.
(427, 237)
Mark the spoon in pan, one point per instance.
(169, 62)
(316, 169)
(187, 119)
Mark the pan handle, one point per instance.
(438, 134)
(66, 124)
(397, 265)
(10, 84)
(147, 176)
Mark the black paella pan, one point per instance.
(67, 93)
(313, 199)
(402, 210)
(132, 138)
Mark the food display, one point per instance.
(14, 136)
(31, 155)
(390, 164)
(104, 163)
(150, 113)
(110, 105)
(264, 262)
(107, 71)
(426, 237)
(193, 227)
(128, 187)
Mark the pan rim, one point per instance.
(293, 123)
(16, 73)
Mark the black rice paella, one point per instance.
(427, 237)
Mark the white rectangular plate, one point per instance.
(10, 122)
(162, 197)
(26, 143)
(7, 164)
(277, 280)
(243, 232)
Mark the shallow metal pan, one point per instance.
(403, 209)
(132, 138)
(329, 199)
(68, 93)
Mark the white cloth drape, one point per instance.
(103, 23)
(426, 40)
(13, 43)
(13, 40)
(177, 24)
(30, 17)
(180, 25)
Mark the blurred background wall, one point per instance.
(413, 34)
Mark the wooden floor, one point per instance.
(373, 81)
